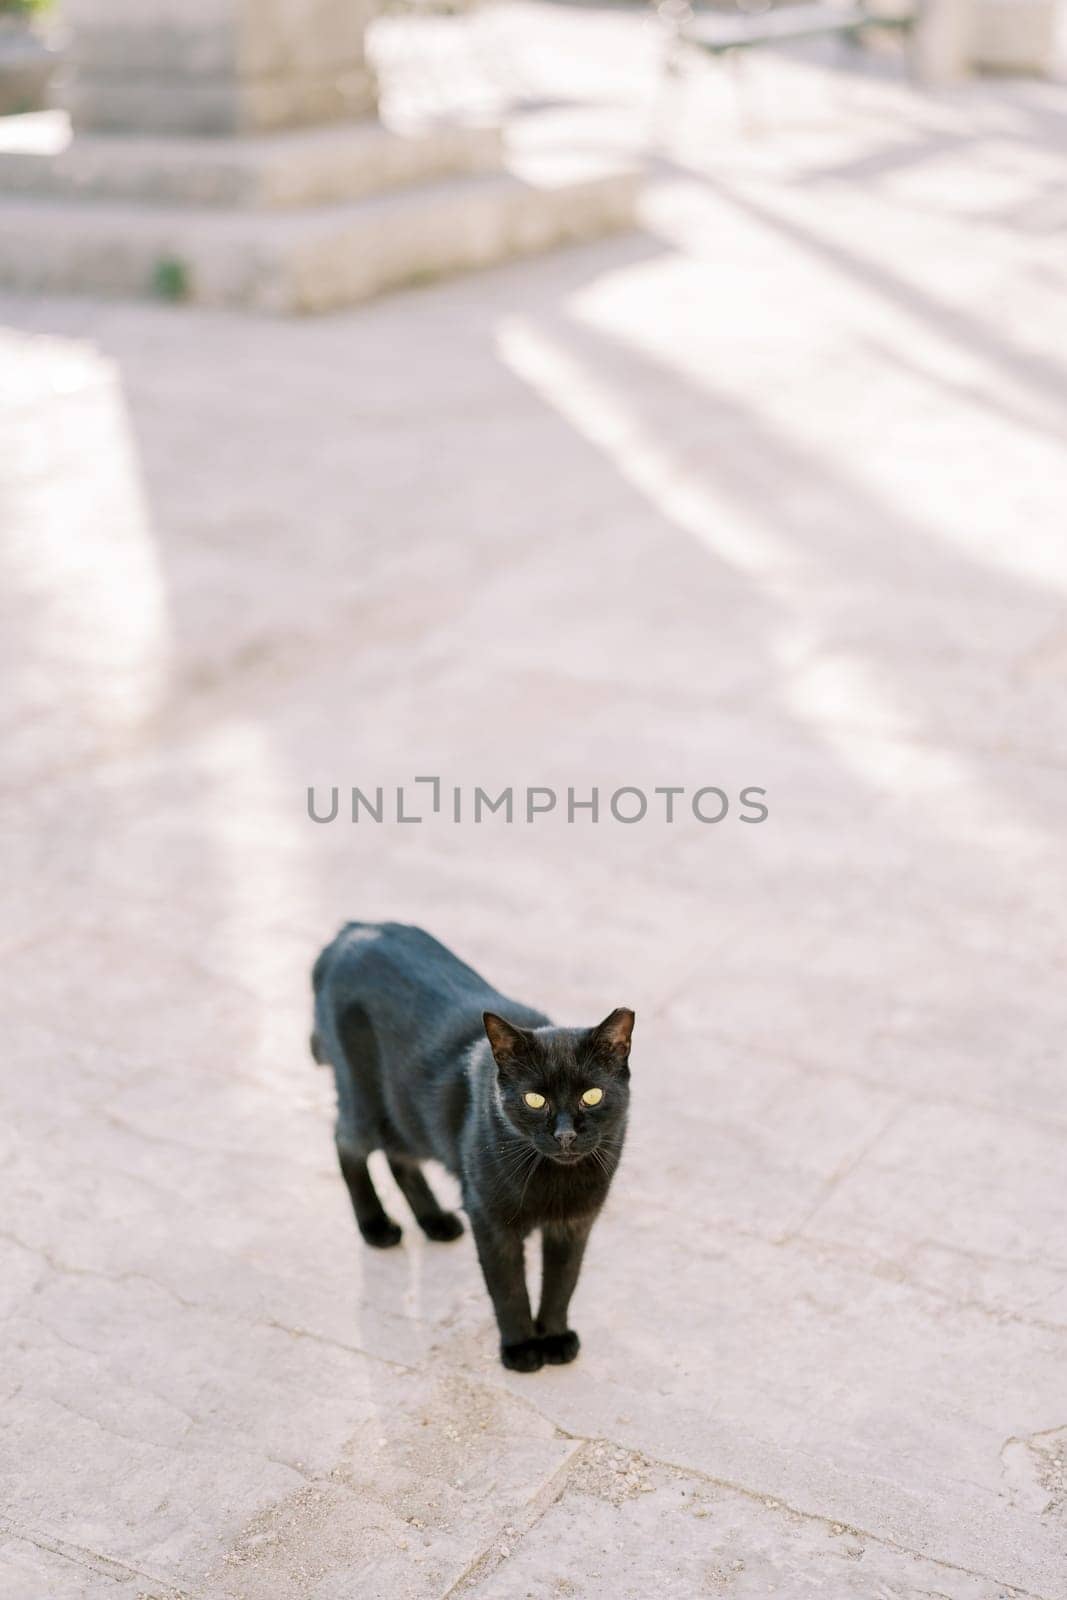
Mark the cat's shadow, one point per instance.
(420, 1293)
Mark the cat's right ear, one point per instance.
(509, 1045)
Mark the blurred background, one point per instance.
(568, 395)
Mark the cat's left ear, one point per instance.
(610, 1039)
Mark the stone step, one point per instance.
(315, 259)
(300, 167)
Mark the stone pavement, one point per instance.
(767, 494)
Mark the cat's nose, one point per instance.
(565, 1137)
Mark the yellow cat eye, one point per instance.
(592, 1097)
(536, 1102)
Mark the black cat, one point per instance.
(530, 1117)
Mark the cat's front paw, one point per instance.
(559, 1348)
(381, 1232)
(441, 1226)
(526, 1355)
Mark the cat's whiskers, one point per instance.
(536, 1163)
(603, 1152)
(507, 1153)
(511, 1169)
(515, 1160)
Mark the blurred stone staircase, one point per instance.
(220, 155)
(305, 220)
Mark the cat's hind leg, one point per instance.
(347, 1040)
(376, 1226)
(432, 1218)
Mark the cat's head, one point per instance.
(565, 1089)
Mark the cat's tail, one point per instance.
(318, 977)
(319, 973)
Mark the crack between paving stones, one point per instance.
(338, 1344)
(1049, 1123)
(900, 1274)
(491, 1557)
(134, 1438)
(104, 1566)
(842, 1174)
(873, 1264)
(67, 1269)
(488, 1559)
(771, 1502)
(495, 1554)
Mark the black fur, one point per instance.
(427, 1067)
